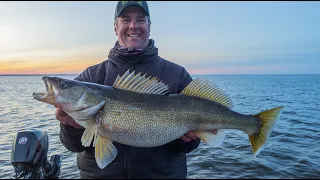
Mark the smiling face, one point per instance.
(133, 28)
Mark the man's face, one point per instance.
(133, 28)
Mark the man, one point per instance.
(135, 51)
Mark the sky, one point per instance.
(204, 37)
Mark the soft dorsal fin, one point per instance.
(204, 89)
(140, 84)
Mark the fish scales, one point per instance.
(139, 111)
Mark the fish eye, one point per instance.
(62, 84)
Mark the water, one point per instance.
(293, 150)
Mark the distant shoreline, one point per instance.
(38, 74)
(190, 74)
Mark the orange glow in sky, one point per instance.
(46, 67)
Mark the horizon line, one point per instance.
(190, 74)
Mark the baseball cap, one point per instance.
(123, 4)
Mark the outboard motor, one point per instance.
(29, 156)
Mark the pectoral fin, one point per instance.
(213, 140)
(89, 134)
(105, 152)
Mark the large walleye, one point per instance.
(139, 111)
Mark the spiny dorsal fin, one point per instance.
(204, 89)
(140, 84)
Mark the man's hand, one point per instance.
(64, 118)
(190, 135)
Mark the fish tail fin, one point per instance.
(267, 119)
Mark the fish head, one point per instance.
(69, 95)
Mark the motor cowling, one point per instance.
(29, 150)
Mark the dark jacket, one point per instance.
(167, 161)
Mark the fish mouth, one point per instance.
(49, 96)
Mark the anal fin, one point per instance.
(213, 140)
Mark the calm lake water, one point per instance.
(293, 150)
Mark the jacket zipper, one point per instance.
(131, 67)
(125, 163)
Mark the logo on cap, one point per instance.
(139, 2)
